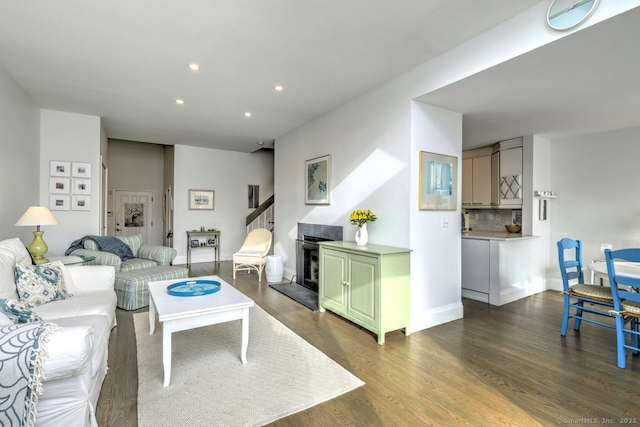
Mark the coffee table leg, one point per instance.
(245, 335)
(166, 353)
(152, 316)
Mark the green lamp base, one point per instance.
(38, 248)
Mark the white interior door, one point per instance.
(134, 213)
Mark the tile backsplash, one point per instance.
(491, 219)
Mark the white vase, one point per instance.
(362, 237)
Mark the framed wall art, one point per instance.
(58, 202)
(81, 186)
(438, 182)
(81, 170)
(57, 168)
(317, 181)
(59, 185)
(80, 203)
(201, 199)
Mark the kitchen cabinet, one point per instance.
(368, 285)
(498, 268)
(476, 177)
(506, 173)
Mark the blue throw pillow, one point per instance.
(40, 284)
(18, 311)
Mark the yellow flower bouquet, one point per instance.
(360, 217)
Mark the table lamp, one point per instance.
(37, 215)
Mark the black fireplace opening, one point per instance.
(309, 251)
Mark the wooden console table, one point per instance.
(212, 240)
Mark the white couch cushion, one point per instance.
(40, 284)
(68, 350)
(7, 280)
(11, 251)
(17, 248)
(101, 303)
(4, 320)
(62, 353)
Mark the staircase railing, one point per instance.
(262, 217)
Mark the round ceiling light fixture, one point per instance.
(179, 101)
(260, 142)
(194, 67)
(248, 114)
(278, 88)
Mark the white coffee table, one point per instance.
(183, 313)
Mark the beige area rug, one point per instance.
(211, 387)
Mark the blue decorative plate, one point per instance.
(193, 288)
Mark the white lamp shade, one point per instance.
(37, 215)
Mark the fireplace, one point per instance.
(307, 251)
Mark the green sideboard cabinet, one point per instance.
(368, 285)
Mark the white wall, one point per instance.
(436, 259)
(75, 138)
(595, 177)
(138, 166)
(229, 174)
(19, 172)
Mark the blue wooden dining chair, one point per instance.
(598, 299)
(626, 302)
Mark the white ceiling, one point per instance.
(126, 61)
(585, 83)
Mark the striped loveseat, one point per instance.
(151, 263)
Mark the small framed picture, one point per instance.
(317, 181)
(80, 203)
(81, 170)
(58, 203)
(58, 168)
(211, 241)
(81, 186)
(59, 185)
(201, 199)
(195, 243)
(438, 184)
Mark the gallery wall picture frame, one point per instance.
(201, 200)
(81, 170)
(80, 203)
(59, 168)
(317, 189)
(59, 185)
(58, 202)
(438, 182)
(81, 186)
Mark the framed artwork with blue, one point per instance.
(438, 185)
(317, 181)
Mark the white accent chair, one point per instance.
(253, 253)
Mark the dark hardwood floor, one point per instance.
(498, 366)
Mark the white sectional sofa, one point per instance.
(76, 364)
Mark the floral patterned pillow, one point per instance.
(18, 311)
(40, 284)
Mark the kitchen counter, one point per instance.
(496, 235)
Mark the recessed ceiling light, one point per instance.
(247, 114)
(194, 67)
(278, 88)
(179, 101)
(260, 142)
